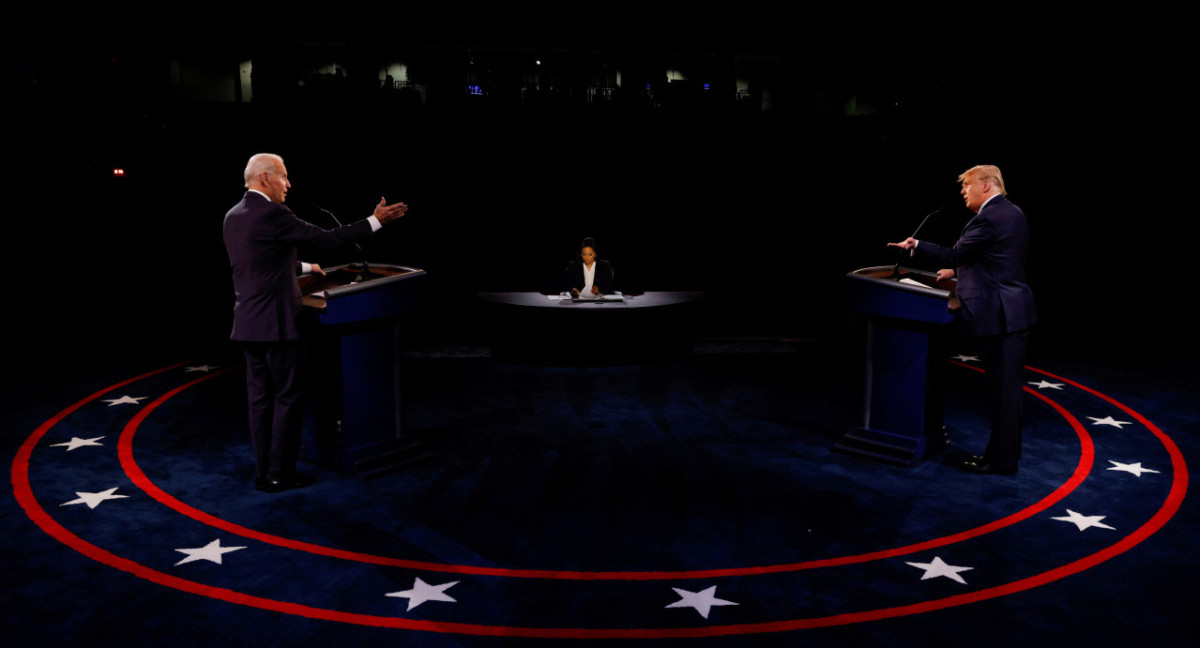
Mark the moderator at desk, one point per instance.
(619, 329)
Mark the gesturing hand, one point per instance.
(387, 213)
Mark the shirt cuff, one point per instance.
(305, 268)
(375, 224)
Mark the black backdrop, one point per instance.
(1091, 117)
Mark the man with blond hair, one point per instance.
(261, 235)
(997, 305)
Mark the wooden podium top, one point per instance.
(342, 281)
(906, 293)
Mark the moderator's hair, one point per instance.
(259, 163)
(987, 172)
(587, 242)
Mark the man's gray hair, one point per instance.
(261, 163)
(988, 172)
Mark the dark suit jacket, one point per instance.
(261, 238)
(602, 280)
(989, 260)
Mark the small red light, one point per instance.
(118, 173)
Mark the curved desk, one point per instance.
(546, 329)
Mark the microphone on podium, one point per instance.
(366, 269)
(896, 269)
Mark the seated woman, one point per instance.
(589, 277)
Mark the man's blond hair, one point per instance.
(988, 172)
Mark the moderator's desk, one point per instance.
(532, 327)
(355, 424)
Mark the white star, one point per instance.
(1047, 385)
(94, 499)
(703, 601)
(1085, 521)
(939, 568)
(422, 592)
(1133, 468)
(1108, 420)
(76, 442)
(211, 552)
(965, 358)
(204, 368)
(125, 400)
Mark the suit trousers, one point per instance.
(1004, 363)
(275, 386)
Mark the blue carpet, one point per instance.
(635, 503)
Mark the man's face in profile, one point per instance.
(974, 192)
(277, 185)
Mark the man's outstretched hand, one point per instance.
(387, 213)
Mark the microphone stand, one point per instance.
(896, 269)
(365, 274)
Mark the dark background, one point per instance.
(872, 114)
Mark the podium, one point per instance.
(909, 315)
(355, 425)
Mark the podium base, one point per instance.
(892, 449)
(386, 458)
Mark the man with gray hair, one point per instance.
(261, 235)
(997, 305)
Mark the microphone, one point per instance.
(914, 234)
(896, 268)
(366, 269)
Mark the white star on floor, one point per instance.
(211, 552)
(939, 568)
(125, 400)
(1133, 468)
(94, 499)
(702, 601)
(204, 368)
(422, 592)
(965, 358)
(1047, 385)
(1085, 521)
(1108, 420)
(76, 442)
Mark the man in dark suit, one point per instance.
(261, 235)
(997, 304)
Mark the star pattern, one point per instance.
(125, 400)
(76, 442)
(1108, 420)
(422, 592)
(703, 601)
(211, 552)
(938, 568)
(1135, 469)
(1085, 522)
(94, 499)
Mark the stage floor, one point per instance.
(698, 498)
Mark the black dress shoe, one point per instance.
(979, 467)
(279, 485)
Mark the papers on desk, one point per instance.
(912, 282)
(616, 296)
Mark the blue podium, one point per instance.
(355, 425)
(909, 315)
